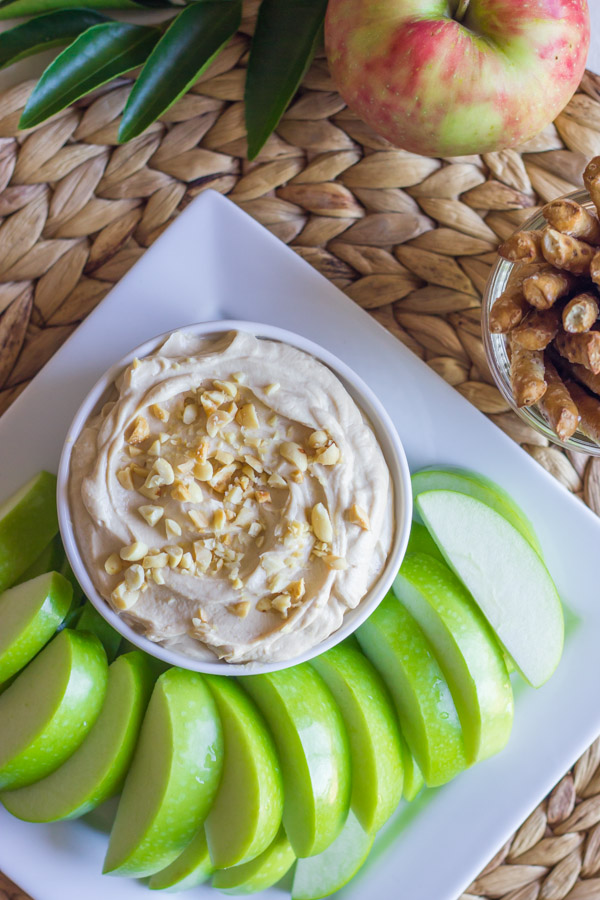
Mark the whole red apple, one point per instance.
(450, 78)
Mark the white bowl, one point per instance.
(389, 442)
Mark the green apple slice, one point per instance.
(50, 707)
(246, 814)
(313, 750)
(91, 620)
(413, 777)
(325, 874)
(97, 769)
(28, 522)
(191, 868)
(260, 873)
(466, 648)
(30, 613)
(420, 541)
(404, 658)
(370, 720)
(51, 559)
(508, 580)
(173, 777)
(480, 488)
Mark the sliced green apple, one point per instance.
(191, 868)
(51, 559)
(97, 769)
(313, 750)
(173, 777)
(420, 541)
(28, 522)
(246, 814)
(466, 648)
(260, 873)
(91, 620)
(30, 613)
(413, 777)
(325, 874)
(370, 720)
(399, 650)
(508, 580)
(47, 711)
(480, 488)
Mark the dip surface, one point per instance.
(231, 499)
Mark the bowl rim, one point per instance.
(387, 438)
(499, 274)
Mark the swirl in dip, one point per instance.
(231, 499)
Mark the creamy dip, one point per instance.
(231, 499)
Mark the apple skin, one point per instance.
(91, 620)
(260, 873)
(370, 719)
(47, 711)
(466, 648)
(173, 778)
(439, 87)
(97, 769)
(30, 613)
(314, 753)
(246, 814)
(28, 522)
(320, 876)
(191, 868)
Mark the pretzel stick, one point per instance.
(572, 219)
(566, 252)
(589, 411)
(557, 405)
(526, 375)
(595, 267)
(538, 328)
(523, 246)
(507, 311)
(581, 348)
(591, 381)
(591, 179)
(580, 313)
(546, 286)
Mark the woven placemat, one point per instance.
(410, 239)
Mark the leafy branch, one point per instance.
(172, 56)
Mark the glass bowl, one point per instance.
(496, 347)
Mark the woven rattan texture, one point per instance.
(408, 238)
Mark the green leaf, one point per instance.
(98, 55)
(187, 47)
(44, 32)
(282, 49)
(13, 8)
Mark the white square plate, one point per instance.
(214, 262)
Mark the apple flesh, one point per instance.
(313, 751)
(260, 873)
(325, 874)
(30, 613)
(479, 487)
(246, 814)
(28, 522)
(173, 778)
(443, 78)
(370, 720)
(97, 769)
(466, 648)
(506, 577)
(399, 650)
(47, 711)
(191, 868)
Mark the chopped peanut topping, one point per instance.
(172, 528)
(139, 431)
(133, 552)
(321, 523)
(159, 412)
(152, 514)
(358, 516)
(125, 479)
(240, 610)
(113, 564)
(246, 416)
